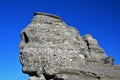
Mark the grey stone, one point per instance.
(108, 60)
(52, 50)
(95, 51)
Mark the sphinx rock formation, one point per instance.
(52, 50)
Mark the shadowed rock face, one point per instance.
(52, 50)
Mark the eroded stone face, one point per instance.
(52, 50)
(28, 56)
(52, 47)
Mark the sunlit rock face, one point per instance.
(52, 50)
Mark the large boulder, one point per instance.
(52, 50)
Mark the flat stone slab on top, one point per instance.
(46, 14)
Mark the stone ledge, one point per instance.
(46, 14)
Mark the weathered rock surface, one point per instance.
(52, 50)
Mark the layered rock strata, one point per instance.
(52, 50)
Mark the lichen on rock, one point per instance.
(52, 50)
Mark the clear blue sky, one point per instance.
(101, 18)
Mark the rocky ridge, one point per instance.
(52, 50)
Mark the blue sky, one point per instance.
(100, 18)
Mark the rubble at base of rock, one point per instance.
(52, 50)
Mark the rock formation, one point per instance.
(52, 50)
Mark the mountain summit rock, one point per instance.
(52, 50)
